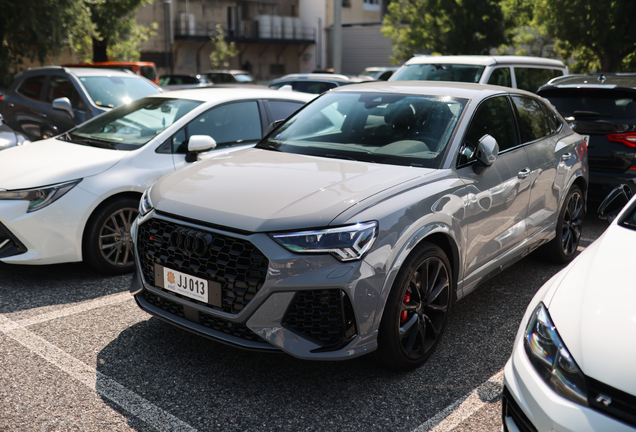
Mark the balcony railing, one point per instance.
(249, 31)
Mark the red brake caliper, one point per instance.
(407, 298)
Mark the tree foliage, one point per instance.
(118, 33)
(592, 35)
(40, 29)
(223, 51)
(445, 26)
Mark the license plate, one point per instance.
(184, 284)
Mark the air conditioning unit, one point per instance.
(186, 24)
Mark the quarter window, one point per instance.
(533, 123)
(32, 87)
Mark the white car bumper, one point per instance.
(50, 235)
(542, 407)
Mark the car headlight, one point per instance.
(551, 359)
(345, 243)
(40, 197)
(145, 205)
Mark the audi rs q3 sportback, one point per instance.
(355, 225)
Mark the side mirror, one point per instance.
(614, 202)
(486, 153)
(197, 144)
(273, 126)
(63, 104)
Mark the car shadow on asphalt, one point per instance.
(25, 287)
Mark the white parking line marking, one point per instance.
(68, 311)
(92, 378)
(454, 414)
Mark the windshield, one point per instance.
(383, 128)
(111, 91)
(439, 72)
(132, 125)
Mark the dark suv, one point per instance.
(44, 102)
(603, 107)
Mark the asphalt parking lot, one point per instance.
(77, 354)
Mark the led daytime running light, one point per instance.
(345, 243)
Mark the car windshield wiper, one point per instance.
(91, 142)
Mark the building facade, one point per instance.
(270, 36)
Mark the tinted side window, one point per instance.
(501, 77)
(59, 87)
(229, 124)
(531, 79)
(179, 142)
(533, 123)
(32, 87)
(283, 109)
(493, 117)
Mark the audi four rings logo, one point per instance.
(190, 241)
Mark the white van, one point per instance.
(526, 73)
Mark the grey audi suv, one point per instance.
(356, 224)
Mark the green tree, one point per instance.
(445, 26)
(118, 33)
(592, 35)
(40, 29)
(223, 51)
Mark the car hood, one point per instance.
(47, 162)
(259, 190)
(594, 310)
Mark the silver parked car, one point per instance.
(356, 224)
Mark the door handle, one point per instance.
(566, 157)
(43, 115)
(523, 173)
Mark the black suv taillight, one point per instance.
(628, 139)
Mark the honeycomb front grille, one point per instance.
(237, 264)
(323, 316)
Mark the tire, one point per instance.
(412, 324)
(107, 245)
(562, 249)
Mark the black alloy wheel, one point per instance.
(108, 244)
(416, 310)
(563, 248)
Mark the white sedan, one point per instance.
(74, 197)
(573, 366)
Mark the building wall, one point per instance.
(191, 54)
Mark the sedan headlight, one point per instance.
(40, 197)
(144, 204)
(551, 359)
(345, 243)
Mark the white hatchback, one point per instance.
(572, 366)
(74, 197)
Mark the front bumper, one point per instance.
(309, 306)
(50, 235)
(526, 393)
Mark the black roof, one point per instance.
(593, 80)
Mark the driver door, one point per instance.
(497, 205)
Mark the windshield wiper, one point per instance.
(91, 142)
